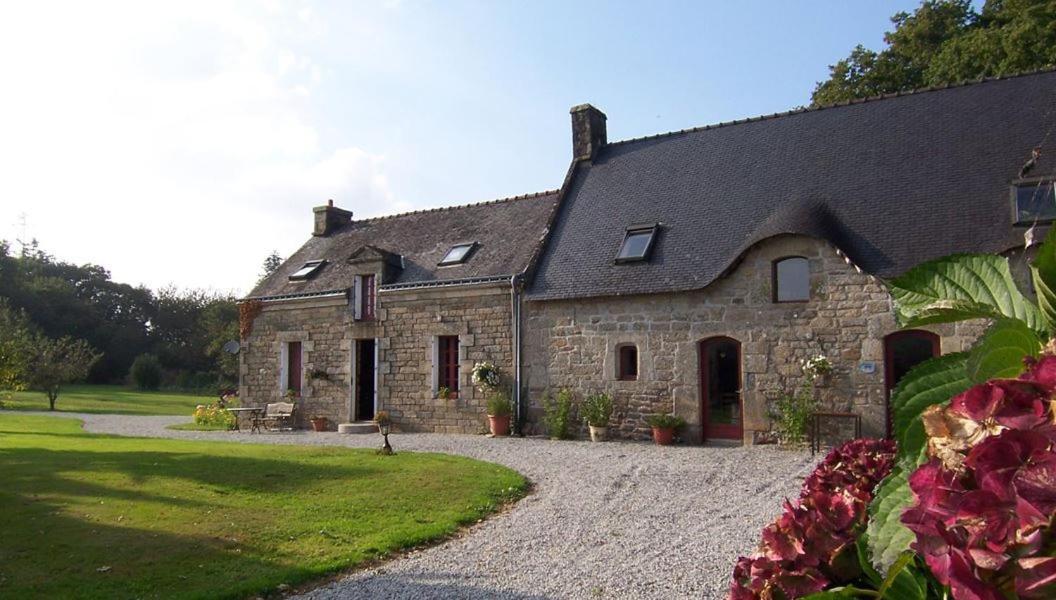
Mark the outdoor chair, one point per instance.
(277, 416)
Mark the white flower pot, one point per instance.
(599, 434)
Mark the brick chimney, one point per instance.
(329, 217)
(588, 131)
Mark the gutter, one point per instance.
(515, 313)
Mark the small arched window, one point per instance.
(627, 363)
(791, 279)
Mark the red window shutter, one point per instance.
(368, 297)
(294, 367)
(447, 369)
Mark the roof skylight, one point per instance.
(1035, 201)
(637, 243)
(458, 254)
(309, 269)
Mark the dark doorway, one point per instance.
(364, 380)
(904, 350)
(720, 388)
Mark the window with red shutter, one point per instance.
(447, 362)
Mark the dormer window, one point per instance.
(637, 243)
(1034, 202)
(308, 271)
(458, 254)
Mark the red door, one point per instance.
(904, 350)
(720, 388)
(293, 367)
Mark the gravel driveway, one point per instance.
(611, 520)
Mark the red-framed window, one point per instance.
(627, 363)
(293, 367)
(447, 363)
(367, 298)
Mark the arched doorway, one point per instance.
(722, 414)
(904, 350)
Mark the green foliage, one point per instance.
(793, 414)
(1000, 353)
(146, 372)
(1043, 274)
(931, 382)
(557, 414)
(191, 519)
(597, 410)
(888, 538)
(109, 399)
(214, 416)
(958, 288)
(947, 41)
(53, 363)
(499, 402)
(271, 264)
(663, 421)
(14, 331)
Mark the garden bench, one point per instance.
(277, 416)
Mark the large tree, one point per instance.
(947, 41)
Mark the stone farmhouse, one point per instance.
(688, 272)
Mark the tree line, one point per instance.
(56, 313)
(944, 42)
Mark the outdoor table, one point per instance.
(248, 410)
(815, 430)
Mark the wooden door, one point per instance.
(904, 350)
(722, 412)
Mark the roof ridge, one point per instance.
(807, 109)
(457, 206)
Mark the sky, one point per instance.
(180, 143)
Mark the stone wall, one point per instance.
(479, 316)
(573, 343)
(407, 324)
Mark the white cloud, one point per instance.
(170, 142)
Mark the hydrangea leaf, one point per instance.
(1000, 352)
(1043, 272)
(904, 581)
(888, 537)
(931, 382)
(961, 287)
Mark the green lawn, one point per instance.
(92, 516)
(107, 399)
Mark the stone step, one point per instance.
(358, 427)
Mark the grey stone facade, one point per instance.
(406, 327)
(572, 343)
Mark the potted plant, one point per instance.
(444, 393)
(817, 369)
(319, 423)
(664, 428)
(499, 413)
(597, 410)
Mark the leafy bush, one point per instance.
(215, 416)
(499, 403)
(813, 543)
(558, 415)
(793, 414)
(597, 410)
(146, 372)
(666, 421)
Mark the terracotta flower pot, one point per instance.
(320, 423)
(499, 424)
(598, 434)
(664, 436)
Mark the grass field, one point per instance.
(107, 399)
(91, 516)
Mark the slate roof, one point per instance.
(891, 181)
(507, 232)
